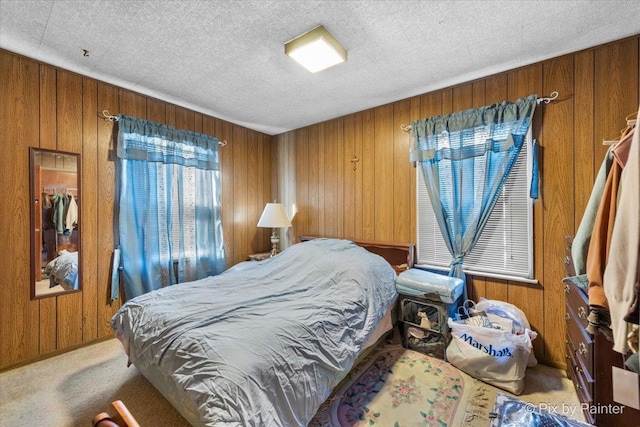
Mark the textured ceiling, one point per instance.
(226, 58)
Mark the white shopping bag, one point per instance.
(494, 356)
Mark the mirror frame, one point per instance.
(34, 204)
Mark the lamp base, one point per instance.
(274, 243)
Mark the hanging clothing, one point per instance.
(622, 274)
(58, 216)
(599, 246)
(582, 239)
(71, 218)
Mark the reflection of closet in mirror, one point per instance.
(55, 222)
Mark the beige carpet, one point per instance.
(68, 390)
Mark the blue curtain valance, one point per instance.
(473, 132)
(140, 139)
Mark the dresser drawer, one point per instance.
(584, 388)
(577, 300)
(581, 378)
(580, 340)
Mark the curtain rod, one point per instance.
(111, 118)
(552, 97)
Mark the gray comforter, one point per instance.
(264, 343)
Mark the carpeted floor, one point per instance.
(69, 389)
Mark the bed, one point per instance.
(263, 343)
(63, 271)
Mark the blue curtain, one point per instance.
(465, 158)
(170, 224)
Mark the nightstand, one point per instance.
(258, 257)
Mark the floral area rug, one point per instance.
(399, 387)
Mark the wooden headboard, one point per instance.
(399, 255)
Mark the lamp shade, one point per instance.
(274, 216)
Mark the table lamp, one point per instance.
(274, 216)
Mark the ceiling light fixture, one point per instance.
(316, 50)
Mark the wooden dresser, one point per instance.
(589, 362)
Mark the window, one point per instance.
(505, 248)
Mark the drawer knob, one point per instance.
(582, 312)
(567, 260)
(566, 288)
(582, 349)
(567, 317)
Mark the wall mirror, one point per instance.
(55, 222)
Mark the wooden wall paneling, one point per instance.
(185, 119)
(359, 175)
(132, 104)
(267, 172)
(48, 125)
(383, 179)
(462, 97)
(349, 201)
(478, 93)
(254, 179)
(288, 235)
(198, 119)
(106, 182)
(585, 165)
(240, 166)
(170, 116)
(18, 315)
(402, 173)
(529, 298)
(301, 220)
(414, 115)
(156, 111)
(369, 188)
(616, 90)
(89, 209)
(313, 200)
(321, 171)
(342, 167)
(558, 187)
(69, 105)
(224, 131)
(332, 164)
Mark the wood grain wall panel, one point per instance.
(240, 199)
(227, 195)
(313, 212)
(18, 315)
(383, 179)
(48, 124)
(69, 108)
(301, 219)
(586, 166)
(359, 175)
(132, 104)
(478, 91)
(616, 90)
(266, 184)
(333, 170)
(355, 168)
(343, 163)
(322, 173)
(369, 188)
(89, 209)
(254, 176)
(558, 188)
(170, 115)
(157, 112)
(108, 99)
(402, 175)
(416, 105)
